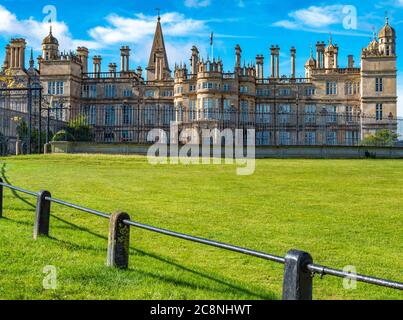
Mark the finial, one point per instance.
(311, 50)
(158, 12)
(50, 26)
(386, 17)
(331, 38)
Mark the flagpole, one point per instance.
(212, 45)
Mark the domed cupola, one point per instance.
(310, 65)
(387, 40)
(50, 47)
(50, 39)
(387, 31)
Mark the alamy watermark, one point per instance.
(206, 146)
(350, 20)
(50, 12)
(350, 282)
(50, 279)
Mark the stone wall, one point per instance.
(317, 152)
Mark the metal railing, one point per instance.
(299, 267)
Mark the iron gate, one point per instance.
(26, 116)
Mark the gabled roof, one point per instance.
(158, 45)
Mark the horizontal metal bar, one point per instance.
(359, 277)
(19, 189)
(317, 269)
(216, 244)
(84, 209)
(313, 268)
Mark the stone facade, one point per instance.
(330, 105)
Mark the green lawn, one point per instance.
(344, 212)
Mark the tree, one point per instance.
(77, 130)
(80, 130)
(382, 138)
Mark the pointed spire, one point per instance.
(311, 48)
(158, 46)
(31, 60)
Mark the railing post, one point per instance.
(1, 198)
(297, 283)
(119, 241)
(42, 216)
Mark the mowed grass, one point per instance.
(344, 212)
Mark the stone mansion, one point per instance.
(331, 105)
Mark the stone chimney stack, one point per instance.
(272, 61)
(83, 52)
(139, 72)
(320, 55)
(351, 61)
(293, 57)
(275, 61)
(17, 54)
(194, 60)
(260, 67)
(336, 57)
(97, 65)
(112, 69)
(125, 58)
(238, 56)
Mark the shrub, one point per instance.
(382, 138)
(63, 135)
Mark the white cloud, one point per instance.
(136, 31)
(34, 31)
(321, 20)
(197, 3)
(286, 24)
(313, 17)
(141, 27)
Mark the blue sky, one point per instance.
(103, 26)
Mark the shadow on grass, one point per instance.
(229, 288)
(74, 226)
(15, 193)
(235, 288)
(75, 246)
(230, 285)
(18, 222)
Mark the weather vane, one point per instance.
(373, 32)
